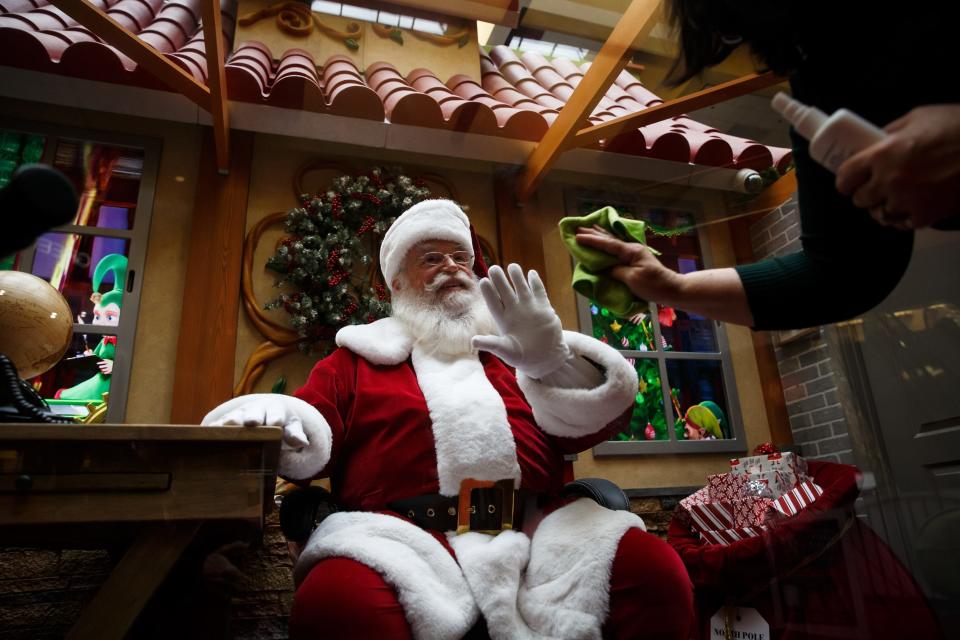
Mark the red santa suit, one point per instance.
(401, 423)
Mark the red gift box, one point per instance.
(796, 499)
(750, 511)
(725, 486)
(712, 515)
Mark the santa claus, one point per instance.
(442, 429)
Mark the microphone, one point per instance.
(37, 199)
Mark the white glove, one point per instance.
(531, 337)
(307, 440)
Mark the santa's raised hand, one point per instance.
(531, 337)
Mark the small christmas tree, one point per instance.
(648, 421)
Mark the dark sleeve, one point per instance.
(847, 265)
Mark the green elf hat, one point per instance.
(702, 418)
(117, 264)
(718, 412)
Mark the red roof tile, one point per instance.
(516, 97)
(37, 35)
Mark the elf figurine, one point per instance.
(701, 423)
(106, 312)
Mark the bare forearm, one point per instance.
(714, 293)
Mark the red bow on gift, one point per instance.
(110, 340)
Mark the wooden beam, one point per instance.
(113, 33)
(691, 102)
(206, 348)
(216, 79)
(133, 581)
(502, 12)
(640, 17)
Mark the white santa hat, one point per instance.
(427, 220)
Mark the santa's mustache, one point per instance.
(442, 279)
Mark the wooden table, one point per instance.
(152, 484)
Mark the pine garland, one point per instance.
(329, 257)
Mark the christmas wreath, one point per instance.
(328, 262)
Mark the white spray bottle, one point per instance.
(832, 138)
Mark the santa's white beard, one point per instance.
(444, 322)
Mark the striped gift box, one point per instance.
(711, 515)
(797, 498)
(729, 536)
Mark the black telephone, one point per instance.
(19, 402)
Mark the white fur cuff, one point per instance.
(430, 586)
(304, 463)
(572, 413)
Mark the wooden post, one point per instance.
(771, 385)
(518, 229)
(211, 295)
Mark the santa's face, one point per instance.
(107, 315)
(437, 297)
(439, 266)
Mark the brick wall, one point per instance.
(816, 418)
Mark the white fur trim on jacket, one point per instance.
(469, 420)
(385, 341)
(427, 220)
(555, 586)
(430, 586)
(572, 413)
(275, 409)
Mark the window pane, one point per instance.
(70, 262)
(683, 331)
(648, 421)
(82, 375)
(107, 180)
(17, 149)
(626, 334)
(699, 399)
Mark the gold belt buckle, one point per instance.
(465, 506)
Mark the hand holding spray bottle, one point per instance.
(832, 138)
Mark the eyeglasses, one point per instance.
(434, 259)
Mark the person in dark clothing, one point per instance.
(892, 67)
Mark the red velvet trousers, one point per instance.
(650, 597)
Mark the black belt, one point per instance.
(491, 509)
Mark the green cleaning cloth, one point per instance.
(589, 275)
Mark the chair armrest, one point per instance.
(603, 492)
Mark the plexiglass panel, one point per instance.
(75, 263)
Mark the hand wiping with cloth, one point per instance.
(619, 271)
(603, 243)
